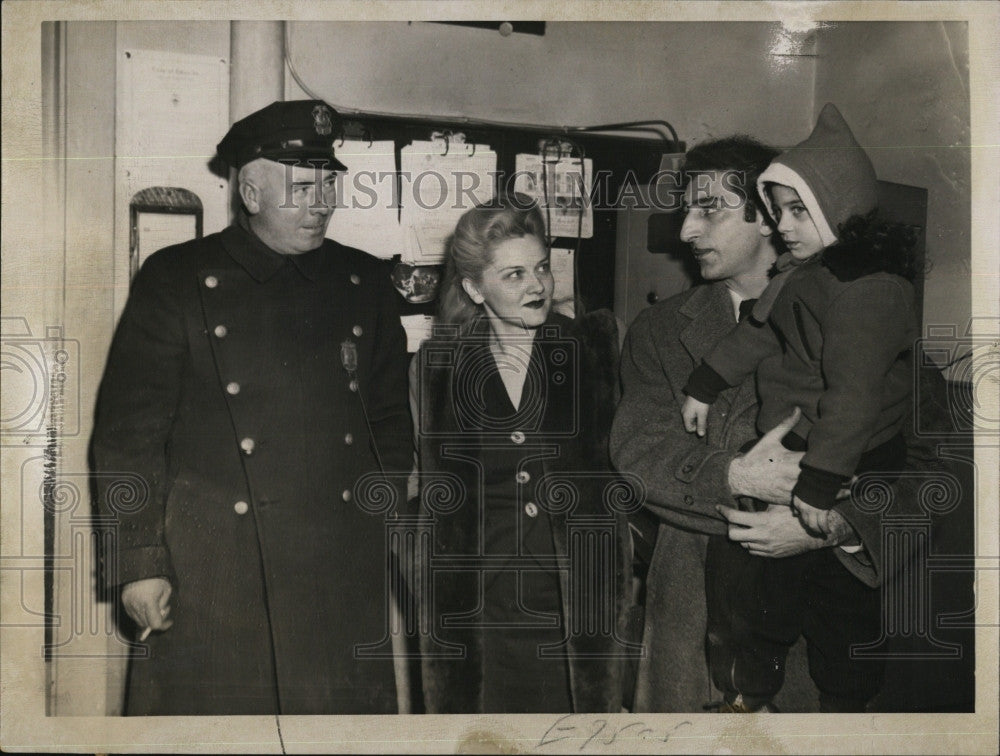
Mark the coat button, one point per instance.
(346, 496)
(247, 445)
(517, 437)
(220, 331)
(241, 507)
(232, 388)
(355, 279)
(357, 330)
(523, 476)
(348, 438)
(353, 385)
(211, 282)
(531, 509)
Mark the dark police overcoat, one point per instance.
(234, 459)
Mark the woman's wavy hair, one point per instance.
(469, 250)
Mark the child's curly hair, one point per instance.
(868, 244)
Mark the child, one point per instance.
(831, 334)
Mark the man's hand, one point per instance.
(695, 415)
(148, 604)
(768, 471)
(813, 518)
(777, 532)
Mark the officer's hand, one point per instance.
(768, 471)
(814, 519)
(695, 416)
(148, 603)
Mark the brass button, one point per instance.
(221, 331)
(517, 437)
(211, 282)
(523, 476)
(353, 385)
(247, 445)
(241, 507)
(531, 509)
(355, 279)
(346, 496)
(348, 439)
(232, 388)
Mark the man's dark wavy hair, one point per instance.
(744, 156)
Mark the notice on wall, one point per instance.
(440, 181)
(173, 108)
(561, 265)
(367, 212)
(158, 230)
(171, 105)
(418, 329)
(562, 189)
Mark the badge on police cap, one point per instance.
(296, 130)
(322, 121)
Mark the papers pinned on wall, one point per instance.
(562, 189)
(561, 264)
(418, 328)
(172, 108)
(440, 180)
(367, 212)
(155, 231)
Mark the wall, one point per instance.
(89, 678)
(707, 79)
(904, 89)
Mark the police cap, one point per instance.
(297, 130)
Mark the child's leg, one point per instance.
(741, 654)
(729, 573)
(841, 611)
(771, 625)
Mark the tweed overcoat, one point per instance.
(233, 458)
(686, 477)
(564, 435)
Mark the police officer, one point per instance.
(254, 393)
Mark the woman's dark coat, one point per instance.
(229, 445)
(565, 419)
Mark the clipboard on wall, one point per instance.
(160, 216)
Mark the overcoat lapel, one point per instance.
(710, 314)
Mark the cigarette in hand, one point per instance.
(145, 634)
